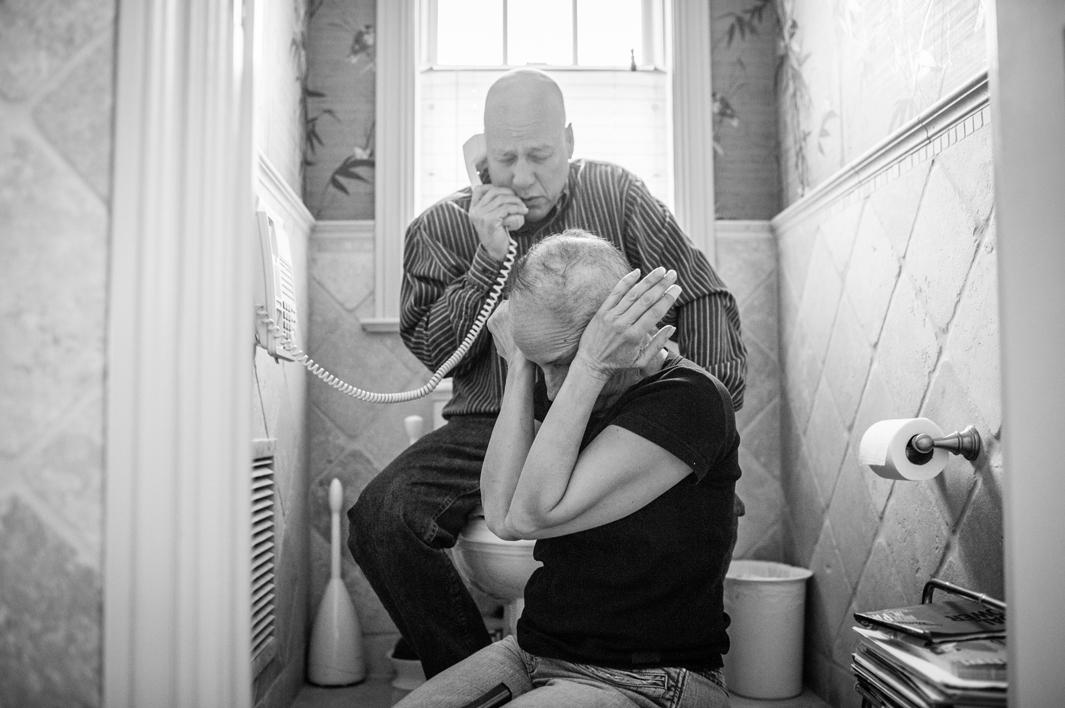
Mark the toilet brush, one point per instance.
(335, 654)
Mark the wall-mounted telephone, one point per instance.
(276, 301)
(275, 289)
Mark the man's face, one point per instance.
(529, 153)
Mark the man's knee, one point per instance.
(377, 514)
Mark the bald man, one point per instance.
(415, 508)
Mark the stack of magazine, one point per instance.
(950, 652)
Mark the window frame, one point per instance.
(401, 33)
(653, 46)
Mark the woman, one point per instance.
(627, 484)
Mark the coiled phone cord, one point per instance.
(401, 397)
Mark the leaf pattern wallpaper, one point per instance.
(339, 103)
(851, 72)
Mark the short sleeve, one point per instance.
(687, 413)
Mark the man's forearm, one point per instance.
(708, 331)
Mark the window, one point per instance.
(617, 92)
(403, 46)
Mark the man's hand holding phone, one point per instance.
(493, 212)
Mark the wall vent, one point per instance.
(263, 556)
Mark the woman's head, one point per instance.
(554, 292)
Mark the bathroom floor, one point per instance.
(377, 693)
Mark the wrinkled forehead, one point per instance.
(541, 335)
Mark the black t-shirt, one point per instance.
(646, 590)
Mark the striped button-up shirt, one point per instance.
(448, 274)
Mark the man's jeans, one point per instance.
(538, 681)
(400, 527)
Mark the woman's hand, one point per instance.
(622, 333)
(499, 324)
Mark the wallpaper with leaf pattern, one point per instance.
(851, 72)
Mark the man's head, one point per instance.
(554, 292)
(529, 144)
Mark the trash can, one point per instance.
(766, 602)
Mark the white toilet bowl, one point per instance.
(496, 567)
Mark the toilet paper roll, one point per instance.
(883, 449)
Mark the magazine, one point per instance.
(944, 620)
(973, 664)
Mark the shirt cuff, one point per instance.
(484, 270)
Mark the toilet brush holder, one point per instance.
(335, 656)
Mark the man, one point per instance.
(414, 510)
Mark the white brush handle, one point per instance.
(336, 498)
(413, 425)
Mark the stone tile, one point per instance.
(979, 545)
(908, 349)
(838, 233)
(795, 249)
(973, 342)
(54, 226)
(50, 615)
(344, 267)
(820, 298)
(847, 362)
(67, 473)
(355, 471)
(877, 404)
(762, 383)
(895, 205)
(948, 405)
(759, 319)
(805, 509)
(915, 531)
(37, 37)
(828, 592)
(787, 312)
(880, 587)
(745, 262)
(763, 498)
(941, 248)
(326, 444)
(366, 360)
(825, 442)
(871, 276)
(968, 166)
(760, 438)
(853, 516)
(77, 117)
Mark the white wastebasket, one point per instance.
(766, 602)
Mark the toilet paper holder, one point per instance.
(966, 443)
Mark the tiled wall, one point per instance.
(349, 439)
(888, 309)
(56, 98)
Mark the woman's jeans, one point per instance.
(400, 528)
(505, 669)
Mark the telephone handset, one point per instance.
(276, 301)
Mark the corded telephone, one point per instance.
(276, 302)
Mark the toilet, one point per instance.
(487, 563)
(497, 568)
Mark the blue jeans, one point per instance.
(533, 680)
(400, 528)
